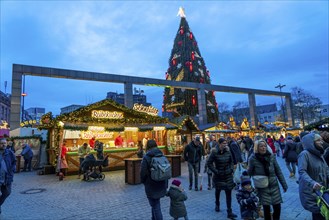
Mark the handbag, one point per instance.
(238, 173)
(63, 164)
(260, 181)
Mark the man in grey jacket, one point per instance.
(313, 173)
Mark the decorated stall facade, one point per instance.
(105, 120)
(180, 137)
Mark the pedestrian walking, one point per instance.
(63, 163)
(177, 197)
(7, 169)
(220, 162)
(313, 173)
(154, 189)
(27, 154)
(290, 155)
(263, 165)
(193, 154)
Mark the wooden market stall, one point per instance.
(221, 130)
(105, 120)
(180, 137)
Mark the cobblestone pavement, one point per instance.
(48, 198)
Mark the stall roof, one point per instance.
(206, 126)
(221, 131)
(187, 121)
(82, 117)
(322, 125)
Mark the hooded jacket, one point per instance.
(153, 189)
(312, 169)
(177, 205)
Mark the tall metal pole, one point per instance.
(23, 97)
(283, 113)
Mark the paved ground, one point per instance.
(113, 199)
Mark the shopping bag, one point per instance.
(322, 201)
(238, 173)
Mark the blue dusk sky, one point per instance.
(250, 44)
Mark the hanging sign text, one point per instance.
(146, 109)
(106, 114)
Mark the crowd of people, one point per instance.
(258, 189)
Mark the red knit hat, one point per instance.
(176, 182)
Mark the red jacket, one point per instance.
(270, 142)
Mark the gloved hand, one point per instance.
(249, 201)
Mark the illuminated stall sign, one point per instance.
(146, 109)
(106, 114)
(98, 135)
(28, 123)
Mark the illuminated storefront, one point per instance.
(105, 120)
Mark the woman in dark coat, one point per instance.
(290, 154)
(220, 162)
(264, 163)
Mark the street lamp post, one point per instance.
(283, 113)
(23, 97)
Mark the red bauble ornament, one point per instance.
(180, 43)
(174, 62)
(201, 80)
(192, 55)
(181, 31)
(191, 35)
(195, 43)
(193, 100)
(191, 66)
(213, 93)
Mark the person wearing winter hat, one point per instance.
(313, 173)
(247, 199)
(177, 197)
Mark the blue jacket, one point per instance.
(27, 152)
(153, 189)
(312, 168)
(10, 160)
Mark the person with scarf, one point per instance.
(313, 173)
(264, 163)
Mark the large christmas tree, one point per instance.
(187, 64)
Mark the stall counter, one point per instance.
(116, 158)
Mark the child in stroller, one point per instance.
(92, 168)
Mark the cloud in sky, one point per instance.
(244, 44)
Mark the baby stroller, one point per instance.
(322, 201)
(92, 168)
